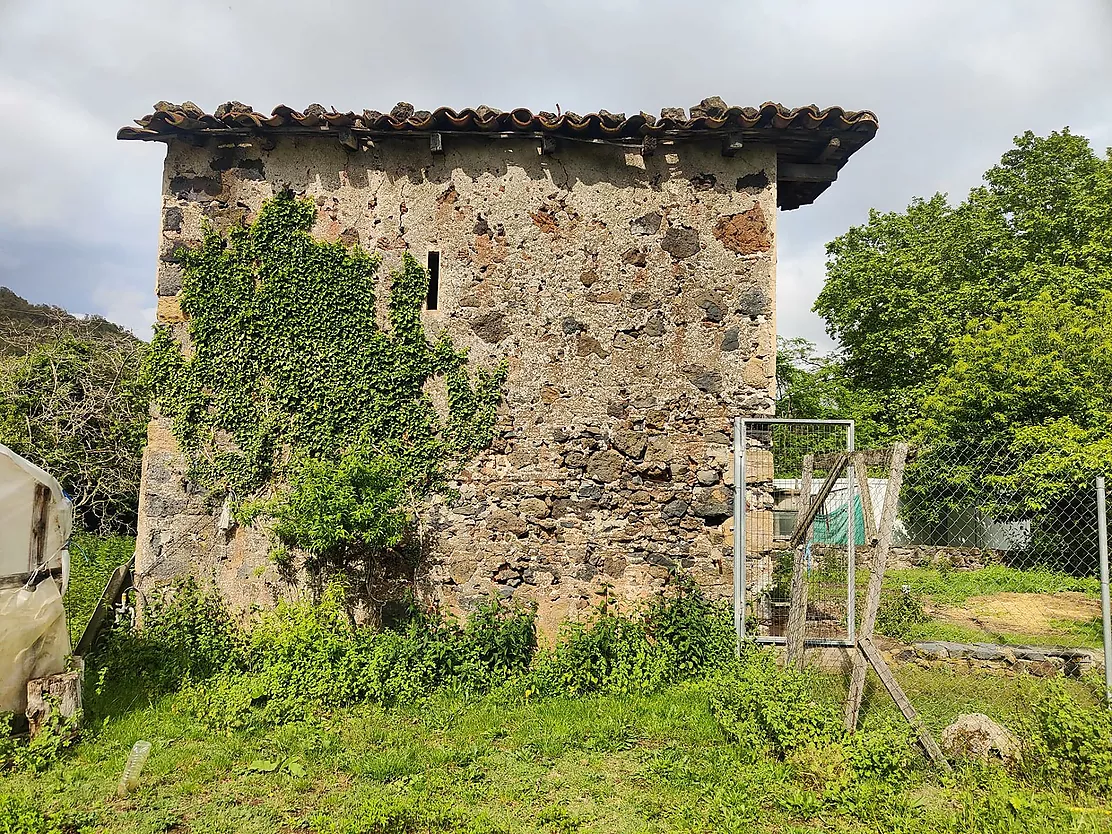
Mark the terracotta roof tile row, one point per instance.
(711, 115)
(802, 134)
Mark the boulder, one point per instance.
(976, 736)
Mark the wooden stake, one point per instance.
(861, 472)
(870, 653)
(876, 577)
(797, 608)
(804, 521)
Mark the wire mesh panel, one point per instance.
(995, 560)
(787, 466)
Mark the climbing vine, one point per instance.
(288, 398)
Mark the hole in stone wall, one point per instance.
(434, 280)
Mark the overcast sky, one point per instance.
(951, 81)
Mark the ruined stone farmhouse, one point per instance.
(625, 266)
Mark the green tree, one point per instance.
(902, 288)
(811, 386)
(72, 402)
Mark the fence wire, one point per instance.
(786, 466)
(991, 581)
(988, 549)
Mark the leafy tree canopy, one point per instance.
(904, 287)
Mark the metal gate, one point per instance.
(779, 467)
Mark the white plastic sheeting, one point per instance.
(34, 640)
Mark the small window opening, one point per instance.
(434, 280)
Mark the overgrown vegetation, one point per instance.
(72, 402)
(638, 722)
(93, 559)
(294, 404)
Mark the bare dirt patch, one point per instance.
(1007, 612)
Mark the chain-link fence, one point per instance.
(995, 562)
(991, 579)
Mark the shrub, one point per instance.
(765, 708)
(1068, 745)
(189, 634)
(899, 613)
(36, 754)
(679, 635)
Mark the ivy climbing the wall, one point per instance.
(291, 402)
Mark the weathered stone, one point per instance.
(646, 224)
(659, 449)
(533, 507)
(635, 257)
(641, 300)
(706, 477)
(976, 736)
(654, 326)
(605, 466)
(711, 305)
(586, 345)
(570, 326)
(503, 521)
(169, 279)
(676, 508)
(630, 443)
(713, 108)
(490, 327)
(680, 242)
(704, 379)
(1039, 668)
(730, 341)
(714, 505)
(172, 219)
(753, 302)
(931, 651)
(745, 233)
(576, 459)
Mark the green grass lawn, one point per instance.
(654, 763)
(509, 762)
(954, 586)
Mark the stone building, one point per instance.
(624, 266)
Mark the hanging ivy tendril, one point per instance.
(289, 399)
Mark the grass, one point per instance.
(92, 561)
(951, 587)
(626, 765)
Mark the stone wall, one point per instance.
(633, 299)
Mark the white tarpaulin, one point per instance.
(34, 640)
(35, 523)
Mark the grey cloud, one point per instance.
(951, 81)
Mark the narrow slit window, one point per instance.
(434, 280)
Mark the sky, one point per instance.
(951, 82)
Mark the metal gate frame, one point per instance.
(740, 433)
